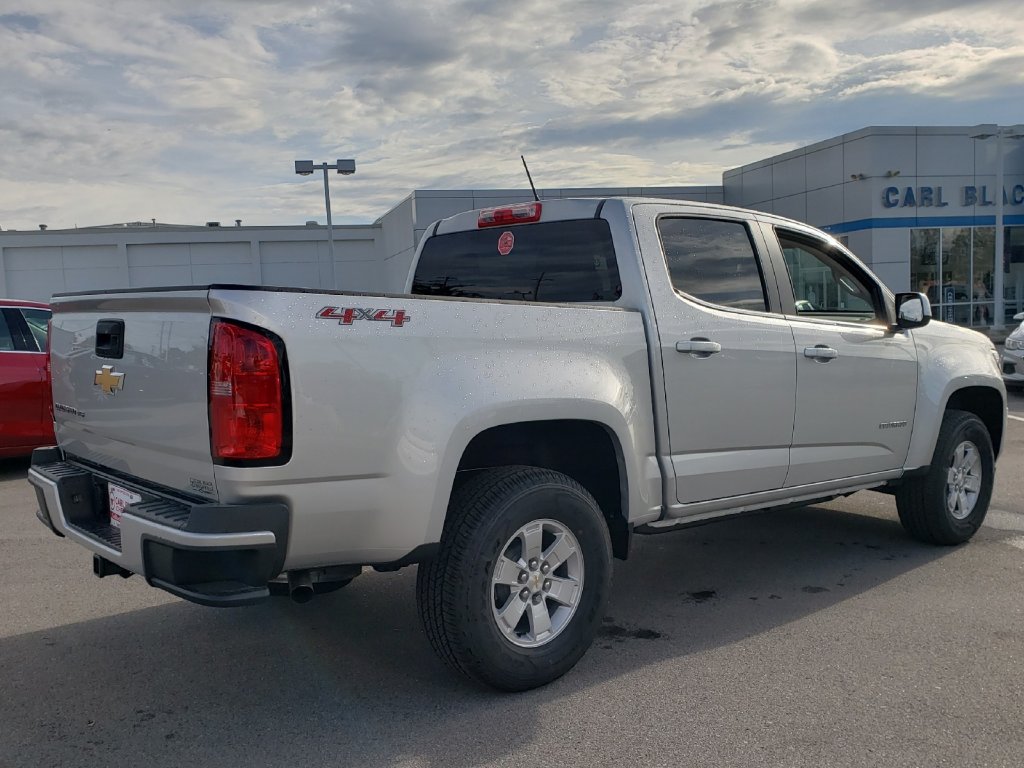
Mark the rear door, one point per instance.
(728, 359)
(856, 378)
(35, 327)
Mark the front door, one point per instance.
(728, 361)
(856, 378)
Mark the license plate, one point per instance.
(119, 499)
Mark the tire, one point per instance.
(924, 502)
(467, 594)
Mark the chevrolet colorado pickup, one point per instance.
(557, 377)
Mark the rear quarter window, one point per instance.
(556, 261)
(37, 320)
(6, 338)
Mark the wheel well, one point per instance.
(584, 450)
(986, 404)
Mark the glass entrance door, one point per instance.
(955, 268)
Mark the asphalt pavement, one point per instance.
(818, 637)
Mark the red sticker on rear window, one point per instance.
(505, 243)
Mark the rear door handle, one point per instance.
(821, 352)
(699, 346)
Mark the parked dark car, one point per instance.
(26, 407)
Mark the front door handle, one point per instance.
(821, 352)
(699, 346)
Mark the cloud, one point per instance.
(393, 35)
(133, 109)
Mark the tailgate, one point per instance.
(140, 410)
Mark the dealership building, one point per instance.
(917, 204)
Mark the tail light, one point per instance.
(49, 370)
(523, 213)
(248, 409)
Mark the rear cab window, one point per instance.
(569, 261)
(713, 260)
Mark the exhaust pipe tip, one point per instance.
(300, 586)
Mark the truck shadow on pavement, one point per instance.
(350, 679)
(14, 469)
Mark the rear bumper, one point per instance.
(211, 554)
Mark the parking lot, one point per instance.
(821, 636)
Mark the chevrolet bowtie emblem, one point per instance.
(108, 380)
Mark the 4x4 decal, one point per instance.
(348, 315)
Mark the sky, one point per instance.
(186, 112)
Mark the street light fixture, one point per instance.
(345, 168)
(982, 132)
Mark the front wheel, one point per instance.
(518, 589)
(948, 504)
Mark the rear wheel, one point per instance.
(948, 503)
(517, 591)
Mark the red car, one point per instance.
(26, 405)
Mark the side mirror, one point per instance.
(913, 310)
(1019, 316)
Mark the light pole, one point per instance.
(982, 132)
(345, 168)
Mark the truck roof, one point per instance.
(587, 207)
(24, 303)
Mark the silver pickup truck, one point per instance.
(557, 377)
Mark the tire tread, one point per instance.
(471, 505)
(918, 497)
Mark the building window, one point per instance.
(955, 267)
(924, 262)
(982, 272)
(956, 275)
(1013, 284)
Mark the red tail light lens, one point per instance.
(247, 410)
(49, 370)
(523, 213)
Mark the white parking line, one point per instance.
(1015, 418)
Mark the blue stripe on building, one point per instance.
(908, 222)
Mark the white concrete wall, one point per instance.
(398, 244)
(35, 265)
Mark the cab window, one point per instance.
(557, 261)
(825, 284)
(713, 260)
